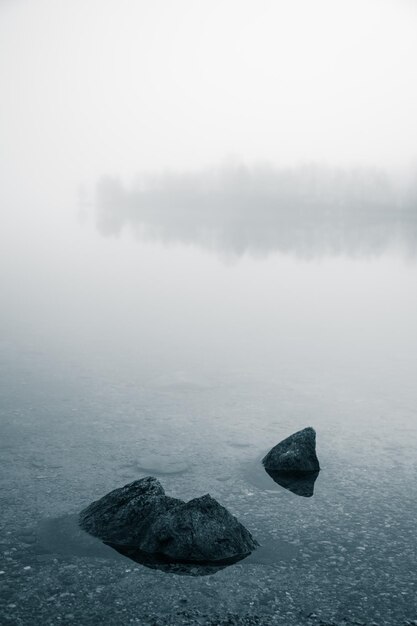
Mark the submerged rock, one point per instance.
(141, 515)
(296, 453)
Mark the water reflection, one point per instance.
(182, 568)
(308, 211)
(302, 484)
(63, 536)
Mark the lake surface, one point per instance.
(123, 357)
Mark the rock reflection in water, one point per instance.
(181, 568)
(300, 483)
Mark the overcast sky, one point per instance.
(92, 87)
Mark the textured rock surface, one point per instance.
(296, 453)
(199, 530)
(141, 515)
(123, 515)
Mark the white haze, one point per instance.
(103, 86)
(91, 88)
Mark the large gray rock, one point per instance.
(141, 515)
(296, 453)
(123, 515)
(199, 530)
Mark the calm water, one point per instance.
(122, 358)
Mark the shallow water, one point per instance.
(177, 363)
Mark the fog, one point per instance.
(116, 89)
(120, 87)
(164, 164)
(232, 128)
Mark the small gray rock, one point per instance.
(296, 453)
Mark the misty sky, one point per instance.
(92, 87)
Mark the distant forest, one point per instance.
(306, 210)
